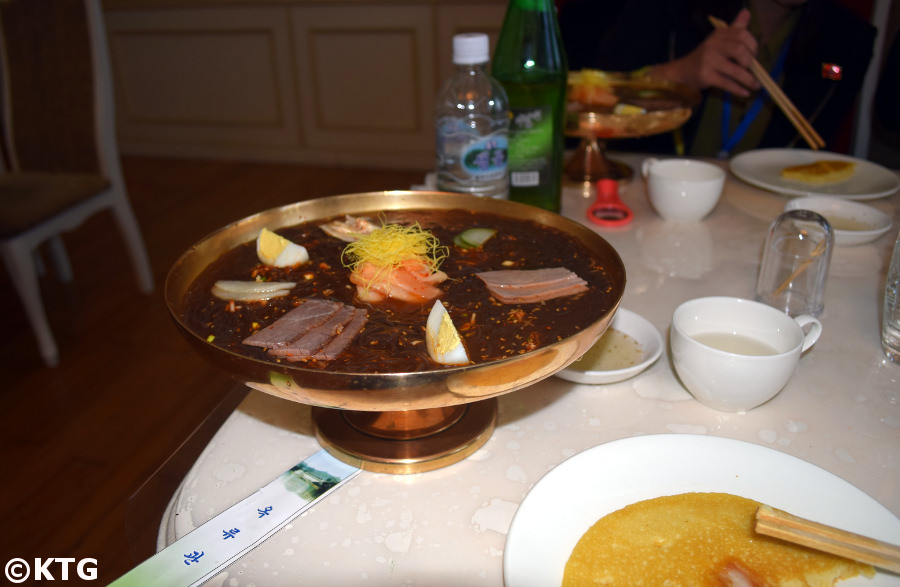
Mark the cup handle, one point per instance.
(811, 328)
(646, 165)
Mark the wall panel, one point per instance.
(295, 80)
(214, 77)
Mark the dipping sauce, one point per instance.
(615, 350)
(840, 223)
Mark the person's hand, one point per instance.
(721, 61)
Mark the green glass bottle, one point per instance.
(530, 64)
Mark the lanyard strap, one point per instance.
(731, 139)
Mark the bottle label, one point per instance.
(485, 159)
(468, 156)
(530, 146)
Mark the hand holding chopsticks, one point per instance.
(779, 524)
(802, 125)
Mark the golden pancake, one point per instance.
(694, 540)
(819, 172)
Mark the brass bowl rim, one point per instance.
(285, 215)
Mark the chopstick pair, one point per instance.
(802, 125)
(779, 524)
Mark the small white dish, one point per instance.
(638, 328)
(853, 223)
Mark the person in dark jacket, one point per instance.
(887, 95)
(817, 50)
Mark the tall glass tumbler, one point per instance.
(890, 321)
(795, 263)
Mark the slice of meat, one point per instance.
(570, 281)
(515, 278)
(308, 344)
(539, 295)
(337, 344)
(532, 285)
(415, 286)
(559, 283)
(412, 282)
(368, 288)
(293, 324)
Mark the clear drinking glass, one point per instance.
(795, 263)
(890, 321)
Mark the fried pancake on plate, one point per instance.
(696, 540)
(819, 172)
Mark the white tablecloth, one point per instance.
(841, 411)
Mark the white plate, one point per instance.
(836, 208)
(762, 168)
(638, 328)
(567, 501)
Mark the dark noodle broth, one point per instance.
(393, 340)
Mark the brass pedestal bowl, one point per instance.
(667, 107)
(395, 422)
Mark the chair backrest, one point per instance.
(58, 101)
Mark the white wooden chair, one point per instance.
(41, 197)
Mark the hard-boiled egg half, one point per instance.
(443, 341)
(273, 249)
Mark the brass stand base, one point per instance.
(590, 163)
(402, 455)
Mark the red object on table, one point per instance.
(608, 209)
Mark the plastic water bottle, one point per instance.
(530, 63)
(472, 118)
(890, 325)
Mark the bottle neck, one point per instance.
(529, 44)
(538, 5)
(471, 67)
(481, 65)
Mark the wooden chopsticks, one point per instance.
(797, 119)
(779, 524)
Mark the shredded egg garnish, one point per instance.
(273, 249)
(442, 339)
(391, 245)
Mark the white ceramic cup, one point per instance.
(734, 354)
(683, 190)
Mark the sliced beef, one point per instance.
(337, 344)
(307, 345)
(318, 329)
(522, 286)
(516, 278)
(539, 295)
(293, 324)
